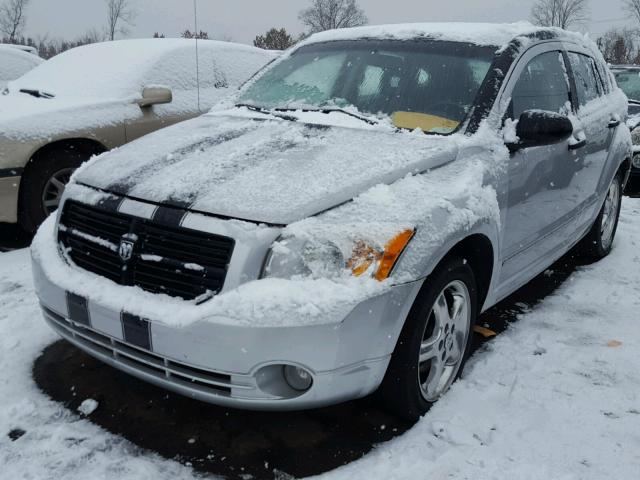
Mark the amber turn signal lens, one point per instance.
(392, 251)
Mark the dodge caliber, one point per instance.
(336, 227)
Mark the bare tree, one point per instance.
(119, 14)
(633, 7)
(620, 46)
(274, 39)
(559, 13)
(329, 14)
(12, 18)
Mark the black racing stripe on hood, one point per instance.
(111, 204)
(182, 206)
(172, 216)
(124, 186)
(250, 158)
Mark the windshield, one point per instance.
(629, 82)
(424, 84)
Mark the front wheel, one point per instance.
(435, 341)
(599, 241)
(42, 188)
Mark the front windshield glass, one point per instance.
(424, 84)
(629, 82)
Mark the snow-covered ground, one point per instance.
(557, 396)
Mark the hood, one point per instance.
(265, 170)
(23, 116)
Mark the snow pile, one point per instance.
(485, 34)
(56, 442)
(556, 396)
(88, 406)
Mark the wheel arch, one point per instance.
(86, 145)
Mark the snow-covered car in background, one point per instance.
(338, 227)
(97, 97)
(15, 62)
(628, 79)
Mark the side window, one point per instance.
(604, 76)
(585, 77)
(542, 85)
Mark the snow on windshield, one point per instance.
(14, 63)
(431, 84)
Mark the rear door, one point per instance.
(597, 123)
(541, 206)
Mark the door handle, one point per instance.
(613, 123)
(576, 144)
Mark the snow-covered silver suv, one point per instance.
(337, 227)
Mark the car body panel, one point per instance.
(269, 178)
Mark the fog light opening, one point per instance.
(297, 378)
(636, 160)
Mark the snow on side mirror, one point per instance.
(155, 96)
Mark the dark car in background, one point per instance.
(628, 79)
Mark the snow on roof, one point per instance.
(118, 69)
(485, 34)
(24, 48)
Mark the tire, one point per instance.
(598, 243)
(45, 177)
(406, 390)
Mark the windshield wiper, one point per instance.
(266, 111)
(36, 93)
(368, 120)
(273, 111)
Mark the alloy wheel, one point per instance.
(54, 188)
(610, 214)
(444, 340)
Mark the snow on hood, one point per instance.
(24, 117)
(264, 169)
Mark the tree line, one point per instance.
(617, 45)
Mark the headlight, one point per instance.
(294, 257)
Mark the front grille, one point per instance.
(124, 354)
(172, 260)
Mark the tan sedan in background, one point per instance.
(94, 98)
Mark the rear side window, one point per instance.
(584, 73)
(542, 85)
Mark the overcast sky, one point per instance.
(242, 20)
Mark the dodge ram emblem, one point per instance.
(126, 248)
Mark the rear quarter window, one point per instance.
(588, 87)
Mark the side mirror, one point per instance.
(538, 127)
(155, 96)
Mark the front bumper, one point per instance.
(9, 189)
(240, 366)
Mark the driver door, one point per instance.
(540, 212)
